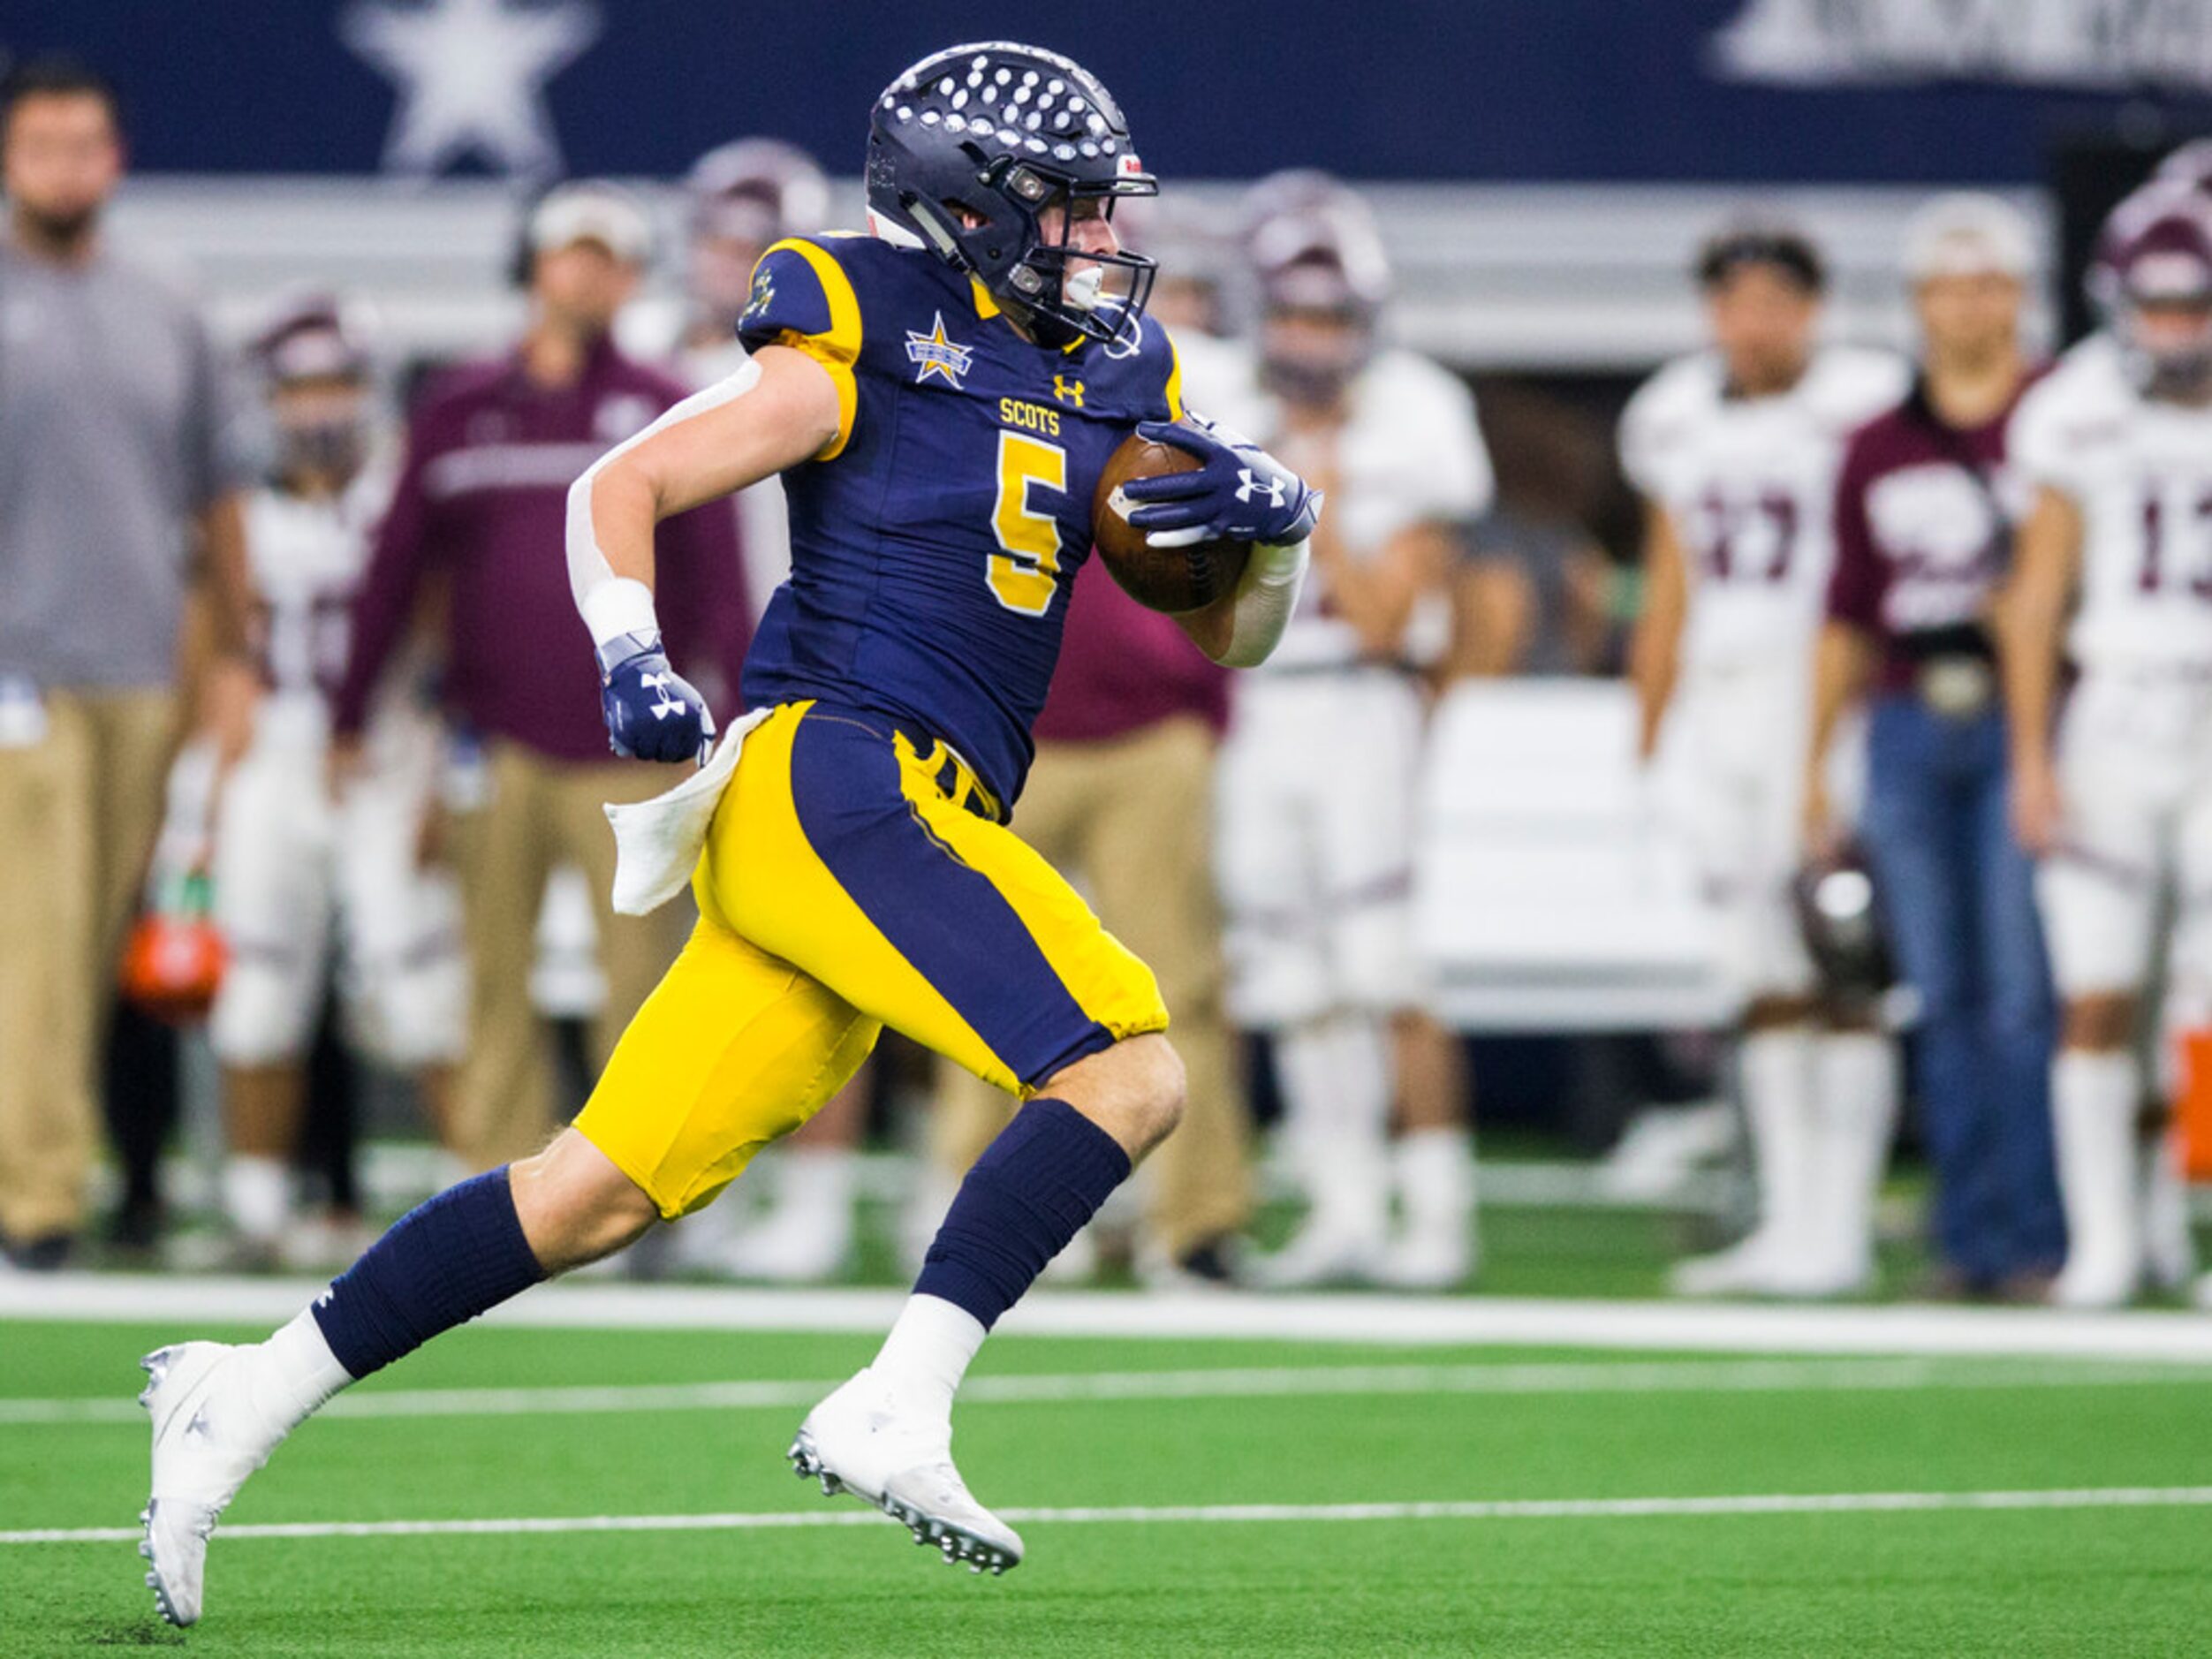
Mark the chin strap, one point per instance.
(1266, 595)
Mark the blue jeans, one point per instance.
(1958, 896)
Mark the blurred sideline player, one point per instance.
(856, 869)
(1925, 510)
(1735, 451)
(1317, 776)
(743, 198)
(296, 868)
(492, 447)
(2116, 800)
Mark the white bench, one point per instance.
(1545, 896)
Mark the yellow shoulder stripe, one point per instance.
(838, 347)
(1175, 378)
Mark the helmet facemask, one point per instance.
(972, 149)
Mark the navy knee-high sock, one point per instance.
(1028, 1195)
(442, 1263)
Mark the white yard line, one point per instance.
(1510, 1509)
(1227, 1382)
(1395, 1320)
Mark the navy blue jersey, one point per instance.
(935, 540)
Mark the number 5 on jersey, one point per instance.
(1024, 577)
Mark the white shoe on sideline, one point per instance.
(1430, 1262)
(791, 1247)
(1752, 1266)
(1321, 1252)
(208, 1438)
(862, 1440)
(2092, 1282)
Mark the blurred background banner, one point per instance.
(1535, 91)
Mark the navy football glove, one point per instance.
(1238, 492)
(653, 713)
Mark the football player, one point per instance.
(2116, 800)
(943, 398)
(1315, 859)
(1735, 450)
(295, 870)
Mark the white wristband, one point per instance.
(618, 605)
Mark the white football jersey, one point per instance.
(2139, 472)
(305, 559)
(1409, 452)
(1749, 486)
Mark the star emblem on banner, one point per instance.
(470, 77)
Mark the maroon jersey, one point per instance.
(483, 499)
(1924, 521)
(1123, 668)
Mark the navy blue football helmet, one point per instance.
(968, 148)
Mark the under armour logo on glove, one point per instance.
(1248, 487)
(1238, 491)
(669, 702)
(635, 682)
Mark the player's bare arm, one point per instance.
(1655, 652)
(780, 409)
(1843, 661)
(2031, 614)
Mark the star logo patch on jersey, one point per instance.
(763, 294)
(932, 354)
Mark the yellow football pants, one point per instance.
(851, 882)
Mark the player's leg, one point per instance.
(1331, 1058)
(1368, 841)
(877, 869)
(1855, 1084)
(1730, 823)
(272, 896)
(2098, 894)
(734, 1050)
(402, 922)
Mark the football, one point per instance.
(1172, 580)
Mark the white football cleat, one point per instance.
(208, 1438)
(860, 1441)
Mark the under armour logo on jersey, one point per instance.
(1251, 488)
(932, 354)
(1068, 390)
(667, 705)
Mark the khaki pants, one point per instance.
(79, 809)
(1131, 822)
(538, 813)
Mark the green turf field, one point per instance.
(2128, 1573)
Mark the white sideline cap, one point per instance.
(1968, 234)
(592, 211)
